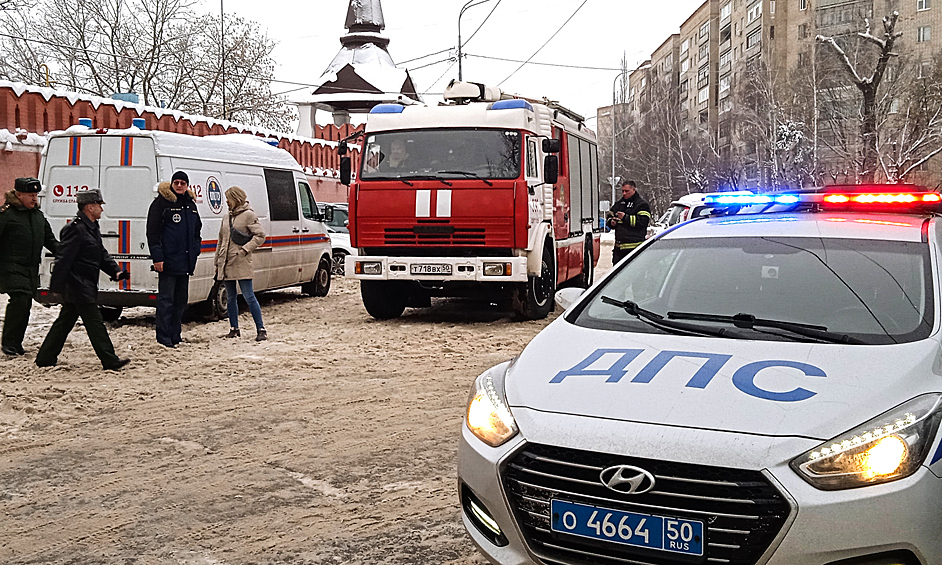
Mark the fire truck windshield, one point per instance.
(444, 153)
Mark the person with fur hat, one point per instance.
(175, 239)
(238, 239)
(24, 232)
(80, 258)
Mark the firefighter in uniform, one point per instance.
(629, 217)
(81, 257)
(24, 232)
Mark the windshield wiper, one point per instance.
(430, 177)
(660, 322)
(467, 174)
(748, 321)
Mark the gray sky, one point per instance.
(600, 32)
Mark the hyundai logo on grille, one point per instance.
(627, 479)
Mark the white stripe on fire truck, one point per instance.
(423, 203)
(443, 203)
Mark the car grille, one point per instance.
(742, 512)
(434, 235)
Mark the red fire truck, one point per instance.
(484, 194)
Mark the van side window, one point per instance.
(308, 205)
(282, 195)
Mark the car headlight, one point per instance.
(488, 416)
(889, 447)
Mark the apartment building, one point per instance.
(727, 47)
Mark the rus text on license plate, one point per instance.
(430, 269)
(629, 528)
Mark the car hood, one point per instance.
(759, 387)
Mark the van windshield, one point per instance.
(879, 292)
(445, 153)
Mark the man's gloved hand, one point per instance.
(123, 276)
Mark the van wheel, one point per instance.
(218, 302)
(320, 286)
(383, 300)
(339, 259)
(588, 271)
(110, 313)
(533, 300)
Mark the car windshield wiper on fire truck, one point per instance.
(425, 177)
(748, 321)
(467, 174)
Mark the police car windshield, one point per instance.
(444, 153)
(876, 292)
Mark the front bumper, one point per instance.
(820, 528)
(461, 269)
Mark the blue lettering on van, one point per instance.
(743, 379)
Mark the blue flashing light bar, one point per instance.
(87, 122)
(516, 103)
(387, 109)
(139, 123)
(720, 199)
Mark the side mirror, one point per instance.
(566, 297)
(550, 145)
(342, 148)
(328, 213)
(550, 169)
(345, 170)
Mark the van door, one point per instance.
(252, 181)
(285, 221)
(314, 236)
(71, 165)
(127, 175)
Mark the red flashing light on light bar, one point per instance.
(912, 198)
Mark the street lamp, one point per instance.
(222, 53)
(615, 82)
(468, 4)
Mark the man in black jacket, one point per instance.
(629, 218)
(174, 238)
(75, 276)
(24, 232)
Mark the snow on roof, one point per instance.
(47, 93)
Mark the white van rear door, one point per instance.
(128, 173)
(71, 165)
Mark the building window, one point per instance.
(685, 46)
(685, 65)
(802, 4)
(754, 12)
(754, 38)
(683, 88)
(704, 116)
(923, 4)
(772, 7)
(725, 57)
(704, 52)
(803, 31)
(703, 76)
(727, 9)
(802, 60)
(705, 30)
(724, 84)
(923, 34)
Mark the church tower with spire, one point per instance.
(361, 75)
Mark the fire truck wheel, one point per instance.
(588, 271)
(339, 258)
(110, 313)
(320, 286)
(383, 300)
(533, 300)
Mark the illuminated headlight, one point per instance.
(497, 269)
(488, 416)
(369, 268)
(889, 447)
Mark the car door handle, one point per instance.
(305, 230)
(295, 230)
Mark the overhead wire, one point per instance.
(482, 23)
(545, 44)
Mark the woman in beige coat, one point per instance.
(234, 261)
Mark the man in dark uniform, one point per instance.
(80, 258)
(175, 241)
(24, 232)
(75, 276)
(629, 218)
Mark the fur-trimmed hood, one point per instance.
(12, 199)
(165, 189)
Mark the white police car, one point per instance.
(761, 386)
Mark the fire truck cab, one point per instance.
(484, 194)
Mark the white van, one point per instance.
(127, 165)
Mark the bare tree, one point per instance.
(868, 87)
